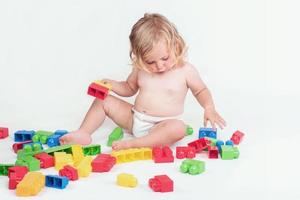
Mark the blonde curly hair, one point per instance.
(148, 31)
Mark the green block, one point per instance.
(22, 153)
(116, 134)
(63, 148)
(212, 140)
(42, 136)
(189, 130)
(192, 167)
(4, 169)
(32, 163)
(229, 152)
(92, 150)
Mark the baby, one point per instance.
(162, 77)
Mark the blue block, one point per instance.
(207, 132)
(54, 181)
(219, 143)
(53, 141)
(23, 135)
(229, 143)
(60, 132)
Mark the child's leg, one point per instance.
(116, 109)
(164, 133)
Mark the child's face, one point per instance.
(160, 59)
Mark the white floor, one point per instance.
(263, 170)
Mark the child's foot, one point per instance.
(76, 137)
(119, 145)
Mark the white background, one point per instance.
(247, 52)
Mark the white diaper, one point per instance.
(142, 123)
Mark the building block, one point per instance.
(45, 159)
(161, 183)
(54, 181)
(126, 180)
(219, 143)
(3, 132)
(31, 185)
(213, 152)
(61, 159)
(99, 89)
(18, 146)
(207, 132)
(92, 150)
(229, 152)
(84, 166)
(192, 167)
(103, 163)
(189, 130)
(32, 163)
(237, 137)
(199, 145)
(15, 175)
(23, 135)
(53, 140)
(162, 155)
(212, 141)
(185, 152)
(229, 143)
(62, 148)
(32, 147)
(132, 154)
(4, 169)
(116, 134)
(77, 153)
(42, 136)
(70, 172)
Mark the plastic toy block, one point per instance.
(213, 152)
(189, 130)
(212, 141)
(199, 145)
(31, 185)
(126, 180)
(161, 183)
(98, 90)
(104, 84)
(185, 152)
(92, 150)
(84, 166)
(162, 155)
(54, 181)
(192, 167)
(116, 134)
(18, 146)
(219, 143)
(53, 140)
(103, 163)
(4, 169)
(3, 132)
(60, 132)
(229, 152)
(22, 135)
(63, 148)
(15, 175)
(133, 154)
(32, 163)
(77, 153)
(32, 147)
(61, 159)
(237, 137)
(42, 136)
(45, 159)
(207, 132)
(229, 143)
(70, 172)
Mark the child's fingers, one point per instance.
(212, 124)
(205, 122)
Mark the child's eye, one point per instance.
(150, 63)
(165, 58)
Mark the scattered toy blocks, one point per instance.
(4, 169)
(54, 181)
(61, 159)
(199, 145)
(185, 152)
(70, 172)
(116, 134)
(15, 175)
(84, 166)
(31, 185)
(192, 167)
(161, 183)
(32, 163)
(3, 132)
(189, 130)
(42, 136)
(45, 159)
(207, 132)
(133, 154)
(92, 150)
(99, 89)
(23, 135)
(18, 146)
(53, 140)
(229, 152)
(126, 180)
(103, 163)
(162, 155)
(213, 152)
(237, 137)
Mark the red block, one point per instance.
(98, 91)
(162, 155)
(17, 146)
(45, 159)
(103, 163)
(199, 145)
(70, 172)
(15, 175)
(237, 137)
(3, 132)
(185, 152)
(213, 152)
(161, 183)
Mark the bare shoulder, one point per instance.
(189, 69)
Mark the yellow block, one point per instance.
(31, 185)
(126, 180)
(77, 153)
(133, 154)
(107, 85)
(84, 167)
(61, 159)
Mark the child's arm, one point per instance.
(126, 88)
(204, 97)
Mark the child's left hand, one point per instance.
(211, 115)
